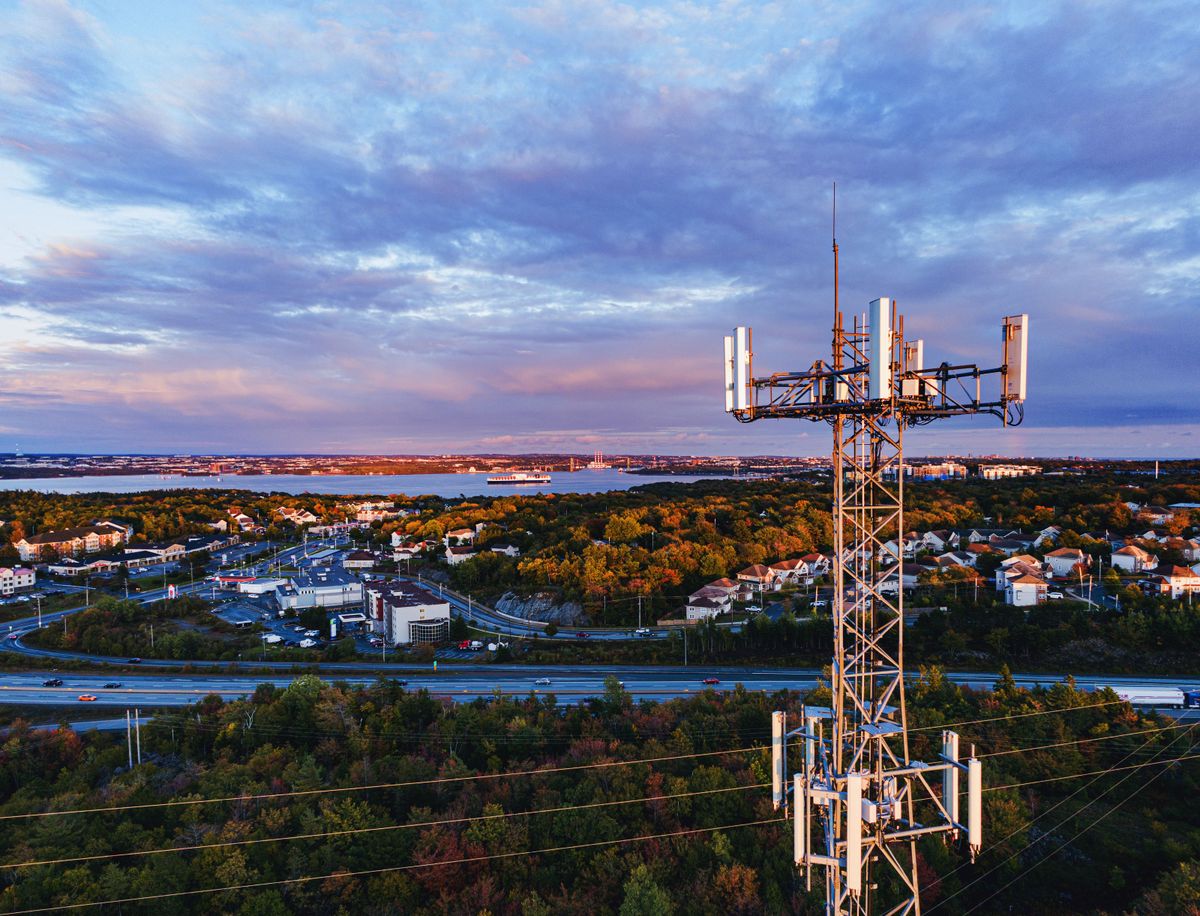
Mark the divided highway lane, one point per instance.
(466, 682)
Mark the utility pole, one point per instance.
(860, 802)
(137, 727)
(128, 739)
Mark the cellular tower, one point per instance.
(858, 801)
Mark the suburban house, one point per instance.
(818, 563)
(1190, 549)
(791, 572)
(1025, 590)
(725, 584)
(1062, 562)
(244, 522)
(508, 550)
(985, 535)
(1155, 515)
(703, 608)
(461, 535)
(406, 614)
(1048, 534)
(939, 541)
(758, 575)
(1009, 546)
(959, 558)
(1176, 581)
(1132, 559)
(717, 595)
(71, 542)
(16, 579)
(297, 516)
(406, 550)
(1015, 568)
(456, 555)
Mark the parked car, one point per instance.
(1055, 596)
(53, 682)
(711, 680)
(87, 698)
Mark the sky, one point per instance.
(403, 227)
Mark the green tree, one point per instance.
(644, 896)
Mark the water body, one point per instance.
(446, 485)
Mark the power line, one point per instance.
(1043, 747)
(395, 868)
(385, 785)
(380, 829)
(1046, 813)
(1097, 775)
(1140, 787)
(1104, 772)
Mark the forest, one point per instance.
(321, 798)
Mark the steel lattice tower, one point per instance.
(859, 801)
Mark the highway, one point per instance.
(141, 686)
(467, 682)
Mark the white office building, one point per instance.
(320, 587)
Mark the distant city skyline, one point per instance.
(467, 227)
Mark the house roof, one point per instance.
(1066, 552)
(756, 570)
(788, 565)
(703, 602)
(1175, 572)
(1027, 580)
(70, 534)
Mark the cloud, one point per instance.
(449, 223)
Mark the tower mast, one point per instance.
(859, 801)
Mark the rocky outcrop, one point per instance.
(541, 606)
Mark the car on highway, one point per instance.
(113, 685)
(135, 661)
(711, 680)
(582, 635)
(53, 682)
(14, 635)
(87, 698)
(542, 682)
(641, 631)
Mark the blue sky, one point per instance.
(421, 227)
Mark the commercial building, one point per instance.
(407, 614)
(1002, 471)
(16, 579)
(320, 587)
(71, 542)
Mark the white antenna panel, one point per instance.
(879, 384)
(741, 368)
(1016, 356)
(728, 373)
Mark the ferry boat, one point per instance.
(520, 478)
